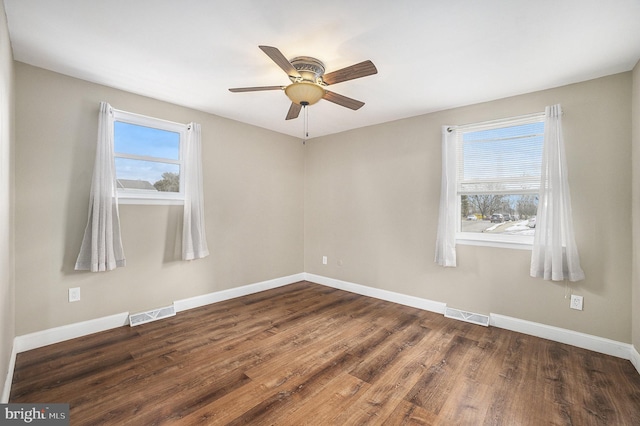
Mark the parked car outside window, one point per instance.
(497, 218)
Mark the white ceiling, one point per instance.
(430, 54)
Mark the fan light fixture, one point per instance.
(304, 93)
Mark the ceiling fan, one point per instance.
(308, 81)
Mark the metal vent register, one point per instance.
(153, 315)
(467, 316)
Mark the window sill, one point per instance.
(500, 241)
(150, 201)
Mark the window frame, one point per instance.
(152, 197)
(521, 242)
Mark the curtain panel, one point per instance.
(555, 254)
(101, 248)
(446, 237)
(194, 239)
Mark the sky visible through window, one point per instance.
(154, 144)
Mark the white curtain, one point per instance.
(555, 255)
(101, 248)
(446, 239)
(194, 239)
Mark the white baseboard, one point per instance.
(42, 338)
(219, 296)
(389, 296)
(563, 335)
(9, 379)
(635, 358)
(71, 331)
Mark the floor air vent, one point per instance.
(467, 316)
(153, 315)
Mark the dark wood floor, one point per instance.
(309, 354)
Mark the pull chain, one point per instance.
(305, 130)
(306, 122)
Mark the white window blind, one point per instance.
(500, 157)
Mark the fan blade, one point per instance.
(294, 111)
(362, 69)
(277, 57)
(255, 89)
(342, 100)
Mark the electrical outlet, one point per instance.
(74, 294)
(324, 260)
(576, 302)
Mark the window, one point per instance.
(149, 159)
(498, 180)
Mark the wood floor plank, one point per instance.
(56, 361)
(383, 358)
(510, 375)
(596, 397)
(282, 404)
(474, 391)
(391, 386)
(408, 414)
(337, 396)
(310, 354)
(435, 385)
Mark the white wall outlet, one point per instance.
(74, 294)
(576, 302)
(324, 260)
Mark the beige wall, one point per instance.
(7, 299)
(369, 202)
(371, 206)
(635, 307)
(253, 181)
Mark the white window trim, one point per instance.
(495, 240)
(518, 242)
(141, 200)
(151, 197)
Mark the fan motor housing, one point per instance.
(311, 69)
